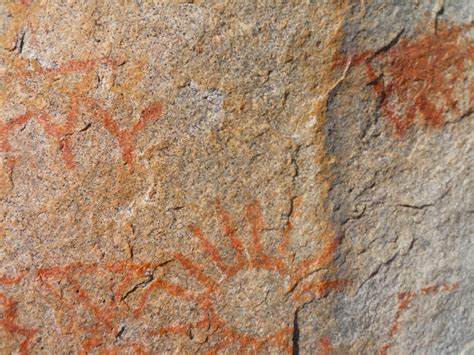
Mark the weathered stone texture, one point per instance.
(236, 176)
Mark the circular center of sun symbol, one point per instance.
(254, 302)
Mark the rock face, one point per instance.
(232, 176)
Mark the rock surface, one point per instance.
(224, 176)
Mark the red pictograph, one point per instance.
(66, 286)
(405, 299)
(8, 320)
(285, 283)
(61, 132)
(416, 80)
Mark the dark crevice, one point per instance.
(438, 14)
(150, 277)
(120, 332)
(420, 207)
(20, 43)
(296, 334)
(464, 115)
(85, 128)
(388, 46)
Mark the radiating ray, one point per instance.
(101, 315)
(122, 289)
(195, 271)
(60, 132)
(10, 125)
(320, 288)
(231, 232)
(44, 276)
(281, 340)
(174, 329)
(8, 322)
(170, 288)
(151, 113)
(308, 266)
(255, 218)
(259, 258)
(211, 249)
(179, 329)
(13, 280)
(271, 263)
(90, 344)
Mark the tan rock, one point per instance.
(231, 176)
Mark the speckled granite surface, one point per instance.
(236, 176)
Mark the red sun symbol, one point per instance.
(253, 304)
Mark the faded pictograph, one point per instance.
(97, 313)
(244, 285)
(74, 287)
(75, 91)
(418, 80)
(13, 336)
(405, 299)
(55, 96)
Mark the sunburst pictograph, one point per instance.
(252, 306)
(91, 302)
